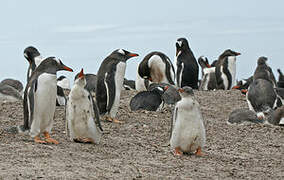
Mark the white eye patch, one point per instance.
(25, 54)
(179, 43)
(121, 51)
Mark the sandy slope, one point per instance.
(138, 147)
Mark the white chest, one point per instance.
(232, 69)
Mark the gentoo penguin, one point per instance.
(63, 82)
(110, 81)
(242, 116)
(14, 83)
(40, 98)
(148, 100)
(188, 132)
(280, 82)
(82, 114)
(128, 84)
(263, 71)
(91, 81)
(9, 93)
(187, 67)
(34, 58)
(226, 69)
(243, 84)
(60, 97)
(156, 67)
(277, 117)
(208, 81)
(261, 97)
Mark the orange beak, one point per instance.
(238, 54)
(133, 54)
(67, 68)
(236, 87)
(81, 74)
(166, 88)
(180, 90)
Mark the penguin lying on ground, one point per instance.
(226, 69)
(9, 93)
(155, 67)
(261, 97)
(263, 71)
(148, 100)
(82, 114)
(14, 83)
(110, 81)
(242, 116)
(280, 82)
(40, 99)
(188, 131)
(208, 81)
(187, 67)
(243, 85)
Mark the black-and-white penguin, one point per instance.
(155, 67)
(261, 97)
(148, 100)
(263, 71)
(82, 114)
(9, 93)
(91, 82)
(208, 81)
(63, 82)
(34, 58)
(188, 131)
(187, 67)
(243, 84)
(128, 84)
(110, 81)
(226, 69)
(14, 83)
(61, 99)
(280, 82)
(170, 95)
(40, 98)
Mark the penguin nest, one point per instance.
(138, 148)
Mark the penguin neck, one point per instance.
(77, 92)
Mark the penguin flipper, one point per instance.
(96, 115)
(173, 121)
(28, 104)
(110, 86)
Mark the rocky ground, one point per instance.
(138, 148)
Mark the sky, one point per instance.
(83, 33)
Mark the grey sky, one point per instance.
(82, 33)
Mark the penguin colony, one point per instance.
(159, 82)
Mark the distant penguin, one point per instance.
(243, 84)
(63, 82)
(208, 81)
(34, 58)
(40, 98)
(226, 69)
(242, 116)
(188, 131)
(187, 67)
(280, 82)
(128, 84)
(140, 83)
(148, 100)
(110, 81)
(156, 67)
(9, 93)
(60, 97)
(14, 83)
(261, 97)
(82, 114)
(277, 117)
(263, 71)
(170, 95)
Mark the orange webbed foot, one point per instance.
(177, 152)
(48, 139)
(198, 152)
(38, 140)
(113, 120)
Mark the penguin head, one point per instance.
(122, 55)
(203, 62)
(186, 91)
(228, 53)
(30, 53)
(61, 78)
(262, 60)
(52, 65)
(80, 78)
(181, 45)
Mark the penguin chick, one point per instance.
(110, 81)
(40, 100)
(188, 132)
(82, 114)
(208, 81)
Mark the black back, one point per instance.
(147, 100)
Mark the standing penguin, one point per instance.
(226, 69)
(63, 82)
(34, 58)
(110, 81)
(188, 132)
(208, 81)
(263, 71)
(40, 98)
(187, 67)
(155, 67)
(82, 114)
